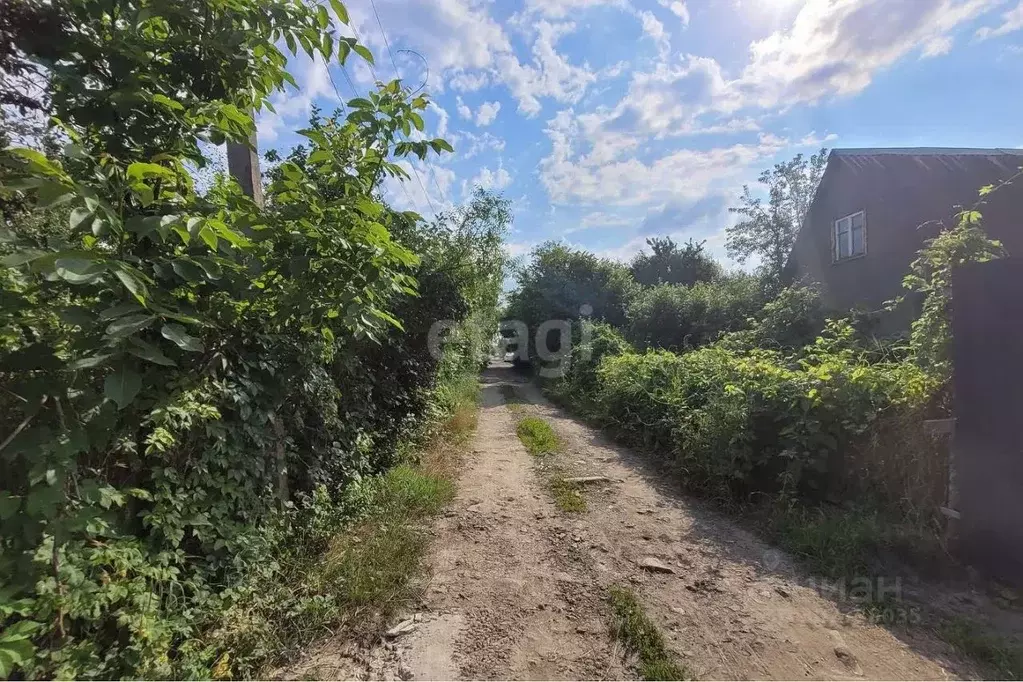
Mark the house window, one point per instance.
(850, 236)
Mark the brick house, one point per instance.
(874, 208)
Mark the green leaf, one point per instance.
(128, 325)
(322, 16)
(320, 156)
(148, 351)
(22, 257)
(133, 284)
(53, 194)
(122, 386)
(75, 316)
(369, 207)
(119, 310)
(210, 267)
(140, 170)
(21, 630)
(340, 11)
(79, 270)
(417, 121)
(327, 43)
(363, 52)
(177, 334)
(78, 217)
(188, 270)
(440, 144)
(90, 362)
(209, 236)
(171, 104)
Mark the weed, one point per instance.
(834, 543)
(640, 636)
(538, 436)
(1003, 657)
(567, 496)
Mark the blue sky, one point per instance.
(608, 121)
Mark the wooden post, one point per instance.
(243, 164)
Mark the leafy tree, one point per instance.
(559, 281)
(185, 374)
(769, 231)
(670, 263)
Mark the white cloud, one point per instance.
(488, 179)
(516, 249)
(559, 9)
(454, 36)
(1012, 21)
(487, 113)
(678, 8)
(571, 175)
(835, 47)
(478, 144)
(463, 109)
(443, 119)
(655, 29)
(550, 75)
(469, 81)
(600, 219)
(812, 139)
(428, 193)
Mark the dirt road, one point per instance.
(517, 586)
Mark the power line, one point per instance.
(423, 187)
(355, 90)
(340, 99)
(429, 166)
(384, 35)
(371, 69)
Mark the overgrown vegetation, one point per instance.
(1002, 658)
(755, 398)
(641, 638)
(201, 392)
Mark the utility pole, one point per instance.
(243, 165)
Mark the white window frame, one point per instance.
(838, 234)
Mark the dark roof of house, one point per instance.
(927, 151)
(986, 165)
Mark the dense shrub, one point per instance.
(196, 385)
(676, 317)
(591, 343)
(559, 281)
(737, 422)
(788, 322)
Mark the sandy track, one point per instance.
(517, 586)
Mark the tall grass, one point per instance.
(359, 562)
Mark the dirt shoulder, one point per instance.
(517, 587)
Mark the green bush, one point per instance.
(790, 321)
(676, 318)
(734, 423)
(560, 281)
(197, 387)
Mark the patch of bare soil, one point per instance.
(517, 587)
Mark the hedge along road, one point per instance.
(518, 588)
